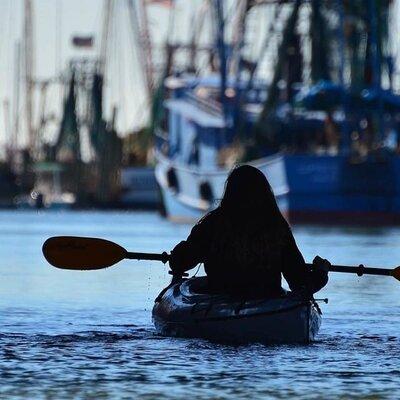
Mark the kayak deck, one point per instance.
(183, 311)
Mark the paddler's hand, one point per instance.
(177, 259)
(321, 264)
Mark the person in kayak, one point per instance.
(246, 244)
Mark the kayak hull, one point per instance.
(183, 312)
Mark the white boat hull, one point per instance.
(185, 203)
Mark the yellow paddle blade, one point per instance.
(80, 253)
(396, 273)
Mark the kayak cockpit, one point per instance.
(187, 309)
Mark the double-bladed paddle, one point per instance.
(84, 254)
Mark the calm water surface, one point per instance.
(66, 334)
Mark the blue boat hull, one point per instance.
(324, 189)
(334, 189)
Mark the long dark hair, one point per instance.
(249, 224)
(248, 193)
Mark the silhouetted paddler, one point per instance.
(246, 243)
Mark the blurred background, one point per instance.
(122, 120)
(149, 104)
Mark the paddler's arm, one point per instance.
(297, 274)
(190, 252)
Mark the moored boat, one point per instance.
(185, 309)
(188, 192)
(325, 115)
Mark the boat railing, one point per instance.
(209, 105)
(160, 140)
(258, 163)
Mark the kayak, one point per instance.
(185, 309)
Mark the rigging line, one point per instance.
(192, 41)
(197, 31)
(8, 76)
(109, 60)
(272, 31)
(121, 76)
(3, 28)
(171, 24)
(169, 53)
(396, 49)
(96, 27)
(202, 68)
(230, 14)
(104, 45)
(136, 63)
(57, 53)
(141, 43)
(114, 79)
(9, 69)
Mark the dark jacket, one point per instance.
(240, 257)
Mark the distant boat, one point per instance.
(205, 132)
(188, 170)
(47, 193)
(328, 144)
(139, 188)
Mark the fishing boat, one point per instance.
(139, 188)
(323, 125)
(188, 191)
(206, 126)
(185, 309)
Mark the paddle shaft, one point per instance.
(164, 257)
(360, 270)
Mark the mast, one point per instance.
(17, 82)
(7, 127)
(146, 43)
(273, 90)
(219, 9)
(107, 13)
(29, 71)
(319, 47)
(42, 115)
(142, 43)
(238, 36)
(376, 59)
(198, 19)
